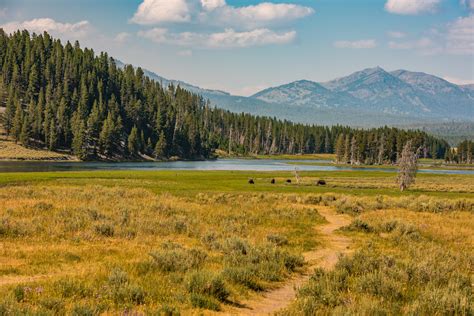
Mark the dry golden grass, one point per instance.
(82, 233)
(11, 151)
(110, 242)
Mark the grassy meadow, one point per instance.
(191, 242)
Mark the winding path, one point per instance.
(334, 244)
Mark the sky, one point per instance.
(243, 46)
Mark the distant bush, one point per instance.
(264, 263)
(203, 301)
(243, 276)
(19, 293)
(53, 304)
(11, 228)
(278, 240)
(207, 283)
(166, 311)
(122, 291)
(67, 288)
(358, 225)
(106, 230)
(83, 310)
(178, 259)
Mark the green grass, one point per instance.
(184, 183)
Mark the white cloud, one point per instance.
(422, 43)
(157, 34)
(259, 15)
(218, 12)
(122, 37)
(212, 4)
(156, 11)
(456, 38)
(411, 6)
(258, 37)
(67, 30)
(460, 36)
(227, 39)
(360, 44)
(396, 34)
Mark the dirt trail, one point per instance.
(325, 258)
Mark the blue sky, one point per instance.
(242, 46)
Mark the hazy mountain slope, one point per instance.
(371, 97)
(443, 97)
(305, 93)
(381, 91)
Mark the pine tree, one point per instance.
(79, 142)
(133, 142)
(160, 147)
(381, 150)
(17, 121)
(25, 133)
(53, 135)
(9, 115)
(339, 148)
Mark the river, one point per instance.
(219, 164)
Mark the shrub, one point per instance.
(179, 259)
(373, 283)
(358, 225)
(204, 301)
(54, 304)
(207, 283)
(43, 206)
(210, 240)
(9, 228)
(19, 293)
(118, 277)
(67, 288)
(106, 230)
(166, 311)
(122, 291)
(236, 246)
(243, 276)
(278, 240)
(128, 293)
(83, 310)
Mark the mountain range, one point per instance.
(370, 97)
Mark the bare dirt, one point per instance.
(326, 258)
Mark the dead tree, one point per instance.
(407, 166)
(297, 176)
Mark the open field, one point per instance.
(189, 242)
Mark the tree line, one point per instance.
(463, 153)
(65, 97)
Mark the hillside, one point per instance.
(98, 111)
(368, 98)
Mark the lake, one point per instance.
(219, 164)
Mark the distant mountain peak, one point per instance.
(370, 96)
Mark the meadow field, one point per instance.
(205, 242)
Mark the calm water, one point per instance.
(220, 164)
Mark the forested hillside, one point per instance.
(64, 97)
